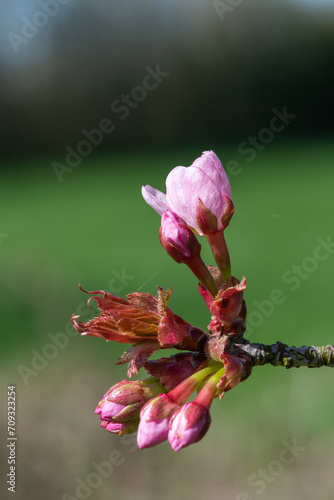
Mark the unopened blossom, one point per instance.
(177, 239)
(182, 245)
(200, 195)
(156, 415)
(104, 401)
(188, 425)
(154, 421)
(191, 422)
(120, 429)
(120, 407)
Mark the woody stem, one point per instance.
(280, 354)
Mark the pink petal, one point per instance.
(152, 433)
(188, 425)
(111, 427)
(211, 165)
(185, 186)
(154, 421)
(155, 198)
(109, 410)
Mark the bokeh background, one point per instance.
(254, 82)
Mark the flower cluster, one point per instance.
(197, 202)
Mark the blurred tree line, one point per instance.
(226, 72)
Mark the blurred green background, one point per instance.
(63, 225)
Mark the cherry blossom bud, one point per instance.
(177, 239)
(188, 425)
(120, 429)
(199, 194)
(128, 392)
(122, 403)
(154, 421)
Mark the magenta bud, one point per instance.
(120, 429)
(128, 392)
(128, 413)
(110, 410)
(111, 426)
(120, 407)
(177, 239)
(188, 425)
(99, 406)
(154, 421)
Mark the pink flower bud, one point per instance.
(204, 183)
(110, 410)
(120, 429)
(154, 421)
(121, 405)
(177, 239)
(188, 425)
(117, 413)
(128, 392)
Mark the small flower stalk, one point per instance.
(173, 404)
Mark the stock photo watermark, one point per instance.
(294, 276)
(101, 471)
(11, 438)
(254, 144)
(41, 358)
(266, 476)
(119, 280)
(121, 108)
(31, 27)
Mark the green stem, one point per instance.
(209, 391)
(184, 390)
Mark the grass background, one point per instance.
(93, 225)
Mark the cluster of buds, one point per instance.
(157, 407)
(197, 202)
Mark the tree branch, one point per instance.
(280, 354)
